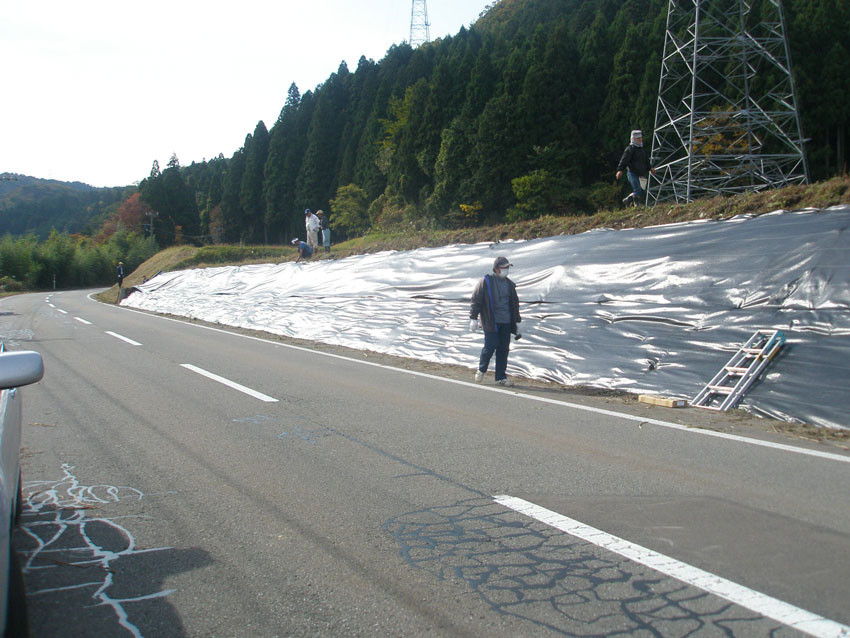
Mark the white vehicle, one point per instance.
(16, 369)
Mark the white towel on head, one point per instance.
(637, 133)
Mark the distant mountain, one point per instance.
(29, 205)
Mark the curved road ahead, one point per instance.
(184, 481)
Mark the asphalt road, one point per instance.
(327, 496)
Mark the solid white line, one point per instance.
(229, 383)
(762, 604)
(118, 336)
(530, 397)
(88, 323)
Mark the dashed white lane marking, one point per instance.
(229, 383)
(529, 397)
(757, 602)
(118, 336)
(64, 312)
(88, 323)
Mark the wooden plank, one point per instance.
(662, 401)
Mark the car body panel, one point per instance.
(16, 369)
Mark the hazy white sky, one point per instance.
(95, 90)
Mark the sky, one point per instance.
(95, 91)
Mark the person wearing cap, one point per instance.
(495, 307)
(303, 249)
(312, 224)
(119, 272)
(635, 162)
(325, 229)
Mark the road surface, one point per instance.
(186, 481)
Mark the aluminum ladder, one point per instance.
(728, 386)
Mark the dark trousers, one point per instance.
(500, 343)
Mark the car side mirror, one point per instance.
(20, 368)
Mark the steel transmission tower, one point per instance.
(420, 28)
(726, 119)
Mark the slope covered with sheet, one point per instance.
(655, 310)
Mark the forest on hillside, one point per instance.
(40, 206)
(522, 114)
(525, 112)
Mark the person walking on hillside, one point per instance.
(119, 272)
(635, 162)
(312, 224)
(303, 249)
(325, 229)
(495, 307)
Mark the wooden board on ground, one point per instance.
(662, 401)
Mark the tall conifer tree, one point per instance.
(251, 188)
(276, 187)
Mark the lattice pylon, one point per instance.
(726, 119)
(420, 28)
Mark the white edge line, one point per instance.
(118, 336)
(577, 406)
(762, 604)
(229, 383)
(88, 323)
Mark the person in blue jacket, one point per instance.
(303, 249)
(495, 307)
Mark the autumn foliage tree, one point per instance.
(130, 217)
(132, 213)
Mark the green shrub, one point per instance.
(7, 284)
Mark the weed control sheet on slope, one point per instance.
(650, 310)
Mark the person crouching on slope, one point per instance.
(495, 301)
(303, 248)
